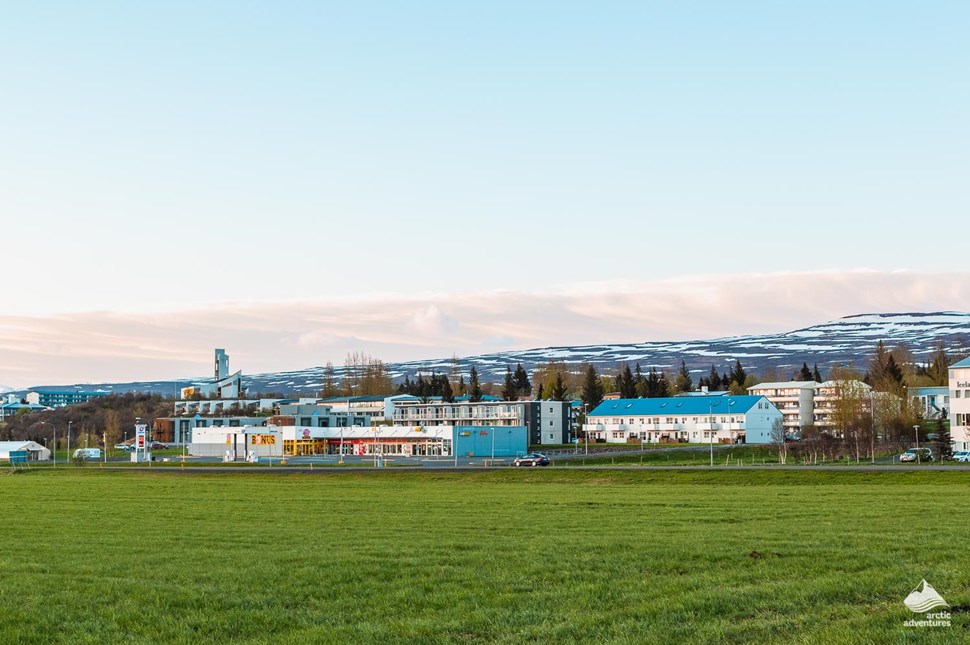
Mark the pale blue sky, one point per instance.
(175, 155)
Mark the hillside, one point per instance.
(847, 341)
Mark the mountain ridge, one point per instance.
(844, 341)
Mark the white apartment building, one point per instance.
(960, 404)
(694, 419)
(828, 394)
(794, 399)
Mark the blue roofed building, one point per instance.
(695, 419)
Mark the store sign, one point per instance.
(140, 431)
(264, 439)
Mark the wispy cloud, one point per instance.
(270, 336)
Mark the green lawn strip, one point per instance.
(501, 556)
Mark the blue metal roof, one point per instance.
(677, 405)
(964, 363)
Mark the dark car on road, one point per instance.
(532, 459)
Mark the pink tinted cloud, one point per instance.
(273, 336)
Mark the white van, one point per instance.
(87, 453)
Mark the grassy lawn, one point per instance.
(696, 456)
(500, 556)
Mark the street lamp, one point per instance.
(69, 441)
(586, 428)
(710, 419)
(54, 451)
(916, 433)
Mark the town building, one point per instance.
(58, 397)
(12, 405)
(720, 419)
(548, 422)
(934, 402)
(794, 399)
(223, 385)
(828, 396)
(960, 404)
(233, 443)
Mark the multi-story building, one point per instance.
(721, 419)
(548, 422)
(934, 402)
(51, 397)
(828, 398)
(794, 399)
(223, 385)
(960, 404)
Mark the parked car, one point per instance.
(917, 454)
(157, 445)
(532, 459)
(962, 455)
(123, 446)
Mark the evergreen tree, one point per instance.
(683, 382)
(738, 375)
(806, 374)
(523, 387)
(559, 388)
(508, 390)
(474, 387)
(816, 375)
(592, 394)
(653, 384)
(663, 385)
(461, 385)
(446, 394)
(714, 381)
(893, 376)
(540, 393)
(638, 381)
(625, 384)
(944, 445)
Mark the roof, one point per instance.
(677, 405)
(779, 385)
(964, 363)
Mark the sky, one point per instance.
(296, 180)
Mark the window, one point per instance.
(550, 422)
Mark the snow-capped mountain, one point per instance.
(841, 342)
(847, 341)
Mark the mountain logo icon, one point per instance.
(921, 601)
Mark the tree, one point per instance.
(683, 382)
(939, 365)
(663, 385)
(816, 375)
(461, 385)
(112, 427)
(330, 386)
(508, 390)
(592, 394)
(805, 374)
(558, 392)
(714, 381)
(445, 390)
(944, 444)
(474, 387)
(738, 374)
(778, 439)
(523, 387)
(625, 384)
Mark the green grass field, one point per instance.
(544, 555)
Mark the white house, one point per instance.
(694, 419)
